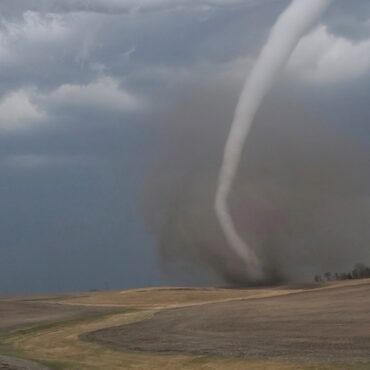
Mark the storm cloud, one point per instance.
(100, 105)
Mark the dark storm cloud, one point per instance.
(86, 87)
(15, 7)
(350, 18)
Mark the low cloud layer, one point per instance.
(325, 58)
(122, 6)
(17, 112)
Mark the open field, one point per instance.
(22, 312)
(325, 328)
(313, 326)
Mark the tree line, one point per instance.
(359, 271)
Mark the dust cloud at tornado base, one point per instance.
(301, 194)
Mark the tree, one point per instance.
(367, 272)
(318, 278)
(360, 271)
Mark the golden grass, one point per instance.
(170, 297)
(159, 298)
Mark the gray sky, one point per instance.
(87, 87)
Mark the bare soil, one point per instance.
(320, 325)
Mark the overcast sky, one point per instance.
(85, 85)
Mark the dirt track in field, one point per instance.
(159, 298)
(8, 363)
(323, 325)
(23, 313)
(19, 313)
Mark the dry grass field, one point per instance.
(325, 328)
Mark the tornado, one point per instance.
(291, 26)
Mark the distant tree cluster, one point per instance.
(360, 271)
